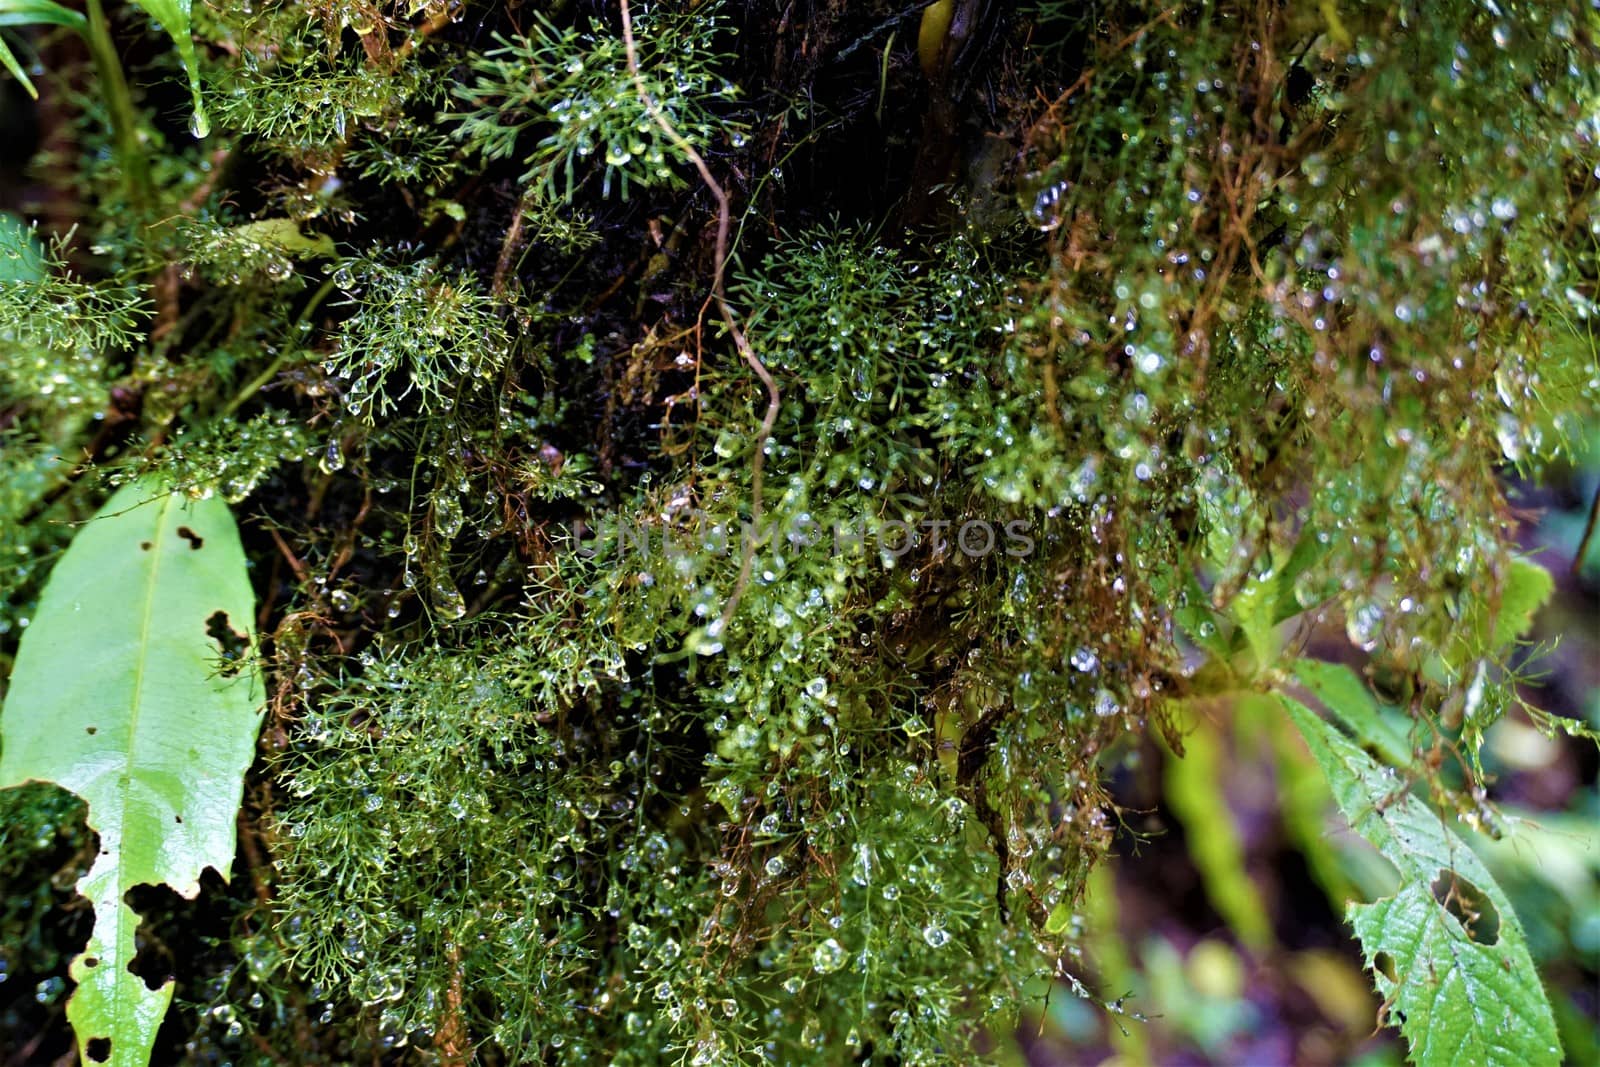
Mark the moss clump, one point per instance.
(575, 83)
(451, 845)
(44, 849)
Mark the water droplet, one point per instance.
(1364, 624)
(447, 516)
(332, 460)
(861, 871)
(446, 598)
(828, 957)
(936, 935)
(1084, 478)
(1508, 431)
(1315, 168)
(1045, 212)
(703, 641)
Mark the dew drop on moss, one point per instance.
(861, 870)
(332, 460)
(447, 515)
(447, 600)
(1105, 704)
(1364, 624)
(827, 957)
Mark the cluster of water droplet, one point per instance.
(285, 91)
(406, 796)
(235, 457)
(416, 331)
(578, 79)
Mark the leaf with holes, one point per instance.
(1446, 950)
(134, 689)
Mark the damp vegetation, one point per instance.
(726, 484)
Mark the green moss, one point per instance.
(44, 849)
(414, 330)
(577, 80)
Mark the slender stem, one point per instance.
(257, 383)
(119, 102)
(718, 294)
(1588, 534)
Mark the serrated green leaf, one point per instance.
(32, 13)
(1458, 995)
(1527, 587)
(1308, 551)
(1347, 697)
(174, 18)
(122, 692)
(286, 234)
(1253, 608)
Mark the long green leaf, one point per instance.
(38, 13)
(32, 13)
(1349, 699)
(174, 18)
(11, 64)
(1459, 995)
(124, 692)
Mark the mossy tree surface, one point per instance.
(1099, 320)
